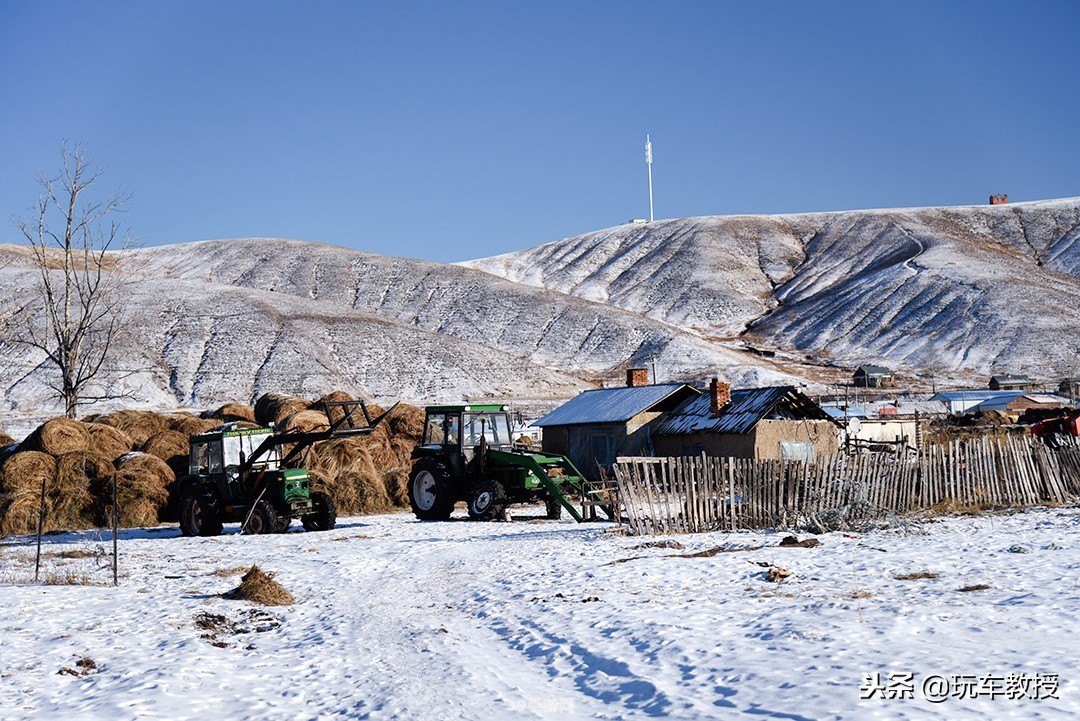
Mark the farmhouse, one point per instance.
(773, 423)
(1009, 382)
(1012, 402)
(599, 425)
(872, 377)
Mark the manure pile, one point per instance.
(147, 451)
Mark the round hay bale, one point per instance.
(147, 465)
(58, 436)
(192, 425)
(305, 421)
(232, 412)
(6, 440)
(83, 490)
(274, 407)
(139, 425)
(171, 447)
(21, 477)
(146, 489)
(335, 414)
(396, 481)
(108, 441)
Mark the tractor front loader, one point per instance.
(467, 454)
(241, 474)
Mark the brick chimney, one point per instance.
(999, 200)
(719, 395)
(637, 377)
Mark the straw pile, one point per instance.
(171, 447)
(274, 407)
(145, 489)
(5, 440)
(259, 587)
(108, 441)
(58, 436)
(82, 493)
(232, 412)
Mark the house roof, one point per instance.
(980, 396)
(1045, 399)
(874, 370)
(747, 407)
(1010, 378)
(613, 405)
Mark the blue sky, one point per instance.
(456, 130)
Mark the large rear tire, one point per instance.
(263, 519)
(554, 508)
(487, 501)
(430, 493)
(200, 513)
(323, 516)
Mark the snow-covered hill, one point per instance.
(979, 288)
(959, 290)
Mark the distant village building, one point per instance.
(774, 423)
(1010, 382)
(872, 377)
(1001, 199)
(599, 425)
(1014, 403)
(1069, 387)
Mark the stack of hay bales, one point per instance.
(148, 451)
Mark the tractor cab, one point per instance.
(463, 429)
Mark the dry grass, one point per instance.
(917, 575)
(259, 587)
(973, 587)
(228, 572)
(231, 412)
(138, 425)
(83, 667)
(58, 436)
(861, 593)
(275, 407)
(108, 441)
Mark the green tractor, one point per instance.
(467, 454)
(241, 474)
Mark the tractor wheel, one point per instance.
(263, 519)
(430, 493)
(323, 517)
(554, 508)
(487, 501)
(200, 514)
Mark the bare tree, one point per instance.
(77, 313)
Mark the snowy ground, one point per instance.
(400, 619)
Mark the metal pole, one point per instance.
(648, 163)
(115, 522)
(40, 528)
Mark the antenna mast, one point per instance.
(648, 163)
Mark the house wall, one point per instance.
(768, 433)
(872, 429)
(725, 445)
(595, 446)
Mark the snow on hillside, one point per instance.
(548, 620)
(981, 287)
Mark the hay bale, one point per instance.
(108, 441)
(21, 477)
(334, 414)
(259, 587)
(305, 421)
(6, 440)
(145, 489)
(191, 425)
(171, 447)
(58, 436)
(83, 490)
(396, 481)
(139, 425)
(232, 412)
(274, 407)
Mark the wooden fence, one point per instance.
(699, 493)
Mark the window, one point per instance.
(441, 429)
(797, 451)
(493, 427)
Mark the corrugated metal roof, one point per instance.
(874, 370)
(952, 396)
(747, 407)
(1010, 378)
(610, 405)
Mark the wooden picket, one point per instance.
(702, 493)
